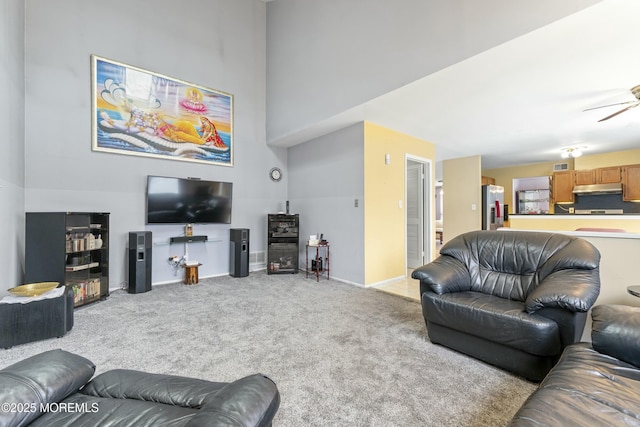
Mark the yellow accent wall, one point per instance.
(462, 189)
(617, 158)
(384, 187)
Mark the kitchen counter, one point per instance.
(630, 223)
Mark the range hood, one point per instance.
(598, 189)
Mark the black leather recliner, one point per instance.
(514, 299)
(55, 388)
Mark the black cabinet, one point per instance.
(70, 248)
(282, 239)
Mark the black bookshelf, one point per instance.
(71, 248)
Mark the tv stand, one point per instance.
(188, 239)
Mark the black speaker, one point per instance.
(139, 261)
(239, 257)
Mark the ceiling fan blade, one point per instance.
(620, 112)
(609, 105)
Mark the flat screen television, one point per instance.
(187, 201)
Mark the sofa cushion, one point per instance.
(84, 410)
(495, 319)
(44, 378)
(247, 401)
(585, 388)
(160, 388)
(510, 264)
(616, 332)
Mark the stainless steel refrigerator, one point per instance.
(492, 207)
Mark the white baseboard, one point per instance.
(384, 282)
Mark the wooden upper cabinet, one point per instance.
(610, 175)
(487, 180)
(630, 183)
(562, 187)
(585, 177)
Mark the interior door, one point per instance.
(415, 214)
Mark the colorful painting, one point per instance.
(142, 113)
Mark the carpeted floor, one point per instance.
(340, 355)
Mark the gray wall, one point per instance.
(341, 53)
(214, 43)
(326, 175)
(11, 143)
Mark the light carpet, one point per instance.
(340, 355)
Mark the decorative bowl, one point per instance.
(33, 289)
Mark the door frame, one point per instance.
(427, 209)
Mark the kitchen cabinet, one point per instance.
(585, 177)
(562, 187)
(487, 180)
(610, 175)
(631, 183)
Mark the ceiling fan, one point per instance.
(632, 104)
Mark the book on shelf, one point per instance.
(81, 267)
(85, 291)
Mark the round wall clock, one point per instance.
(275, 174)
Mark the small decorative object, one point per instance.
(98, 242)
(91, 239)
(275, 174)
(188, 230)
(316, 265)
(33, 289)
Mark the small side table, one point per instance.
(319, 265)
(634, 290)
(191, 274)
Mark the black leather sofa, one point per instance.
(514, 299)
(36, 320)
(54, 388)
(595, 384)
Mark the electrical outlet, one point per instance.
(355, 203)
(572, 210)
(474, 207)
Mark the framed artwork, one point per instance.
(142, 113)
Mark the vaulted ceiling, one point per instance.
(523, 100)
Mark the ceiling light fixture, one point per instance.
(567, 152)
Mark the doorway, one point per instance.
(418, 211)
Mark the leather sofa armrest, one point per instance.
(168, 389)
(573, 290)
(44, 378)
(444, 275)
(249, 401)
(616, 332)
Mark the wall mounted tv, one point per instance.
(185, 201)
